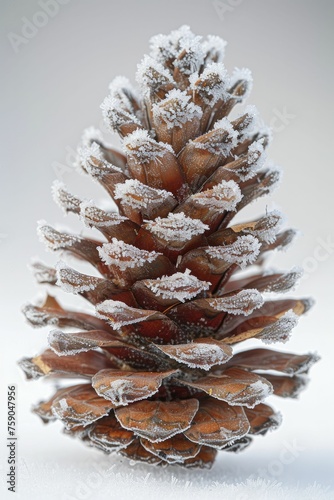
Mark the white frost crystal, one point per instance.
(164, 47)
(95, 217)
(121, 88)
(92, 160)
(176, 110)
(243, 302)
(215, 47)
(243, 251)
(211, 84)
(64, 199)
(181, 45)
(243, 74)
(90, 134)
(72, 281)
(223, 196)
(116, 115)
(180, 286)
(269, 226)
(151, 74)
(119, 314)
(176, 227)
(251, 122)
(37, 317)
(221, 142)
(124, 256)
(280, 330)
(202, 354)
(137, 195)
(212, 354)
(53, 239)
(286, 282)
(192, 55)
(93, 150)
(143, 148)
(256, 154)
(118, 390)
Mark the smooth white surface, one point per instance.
(52, 90)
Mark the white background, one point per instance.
(52, 87)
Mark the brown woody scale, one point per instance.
(158, 378)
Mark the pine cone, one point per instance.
(172, 301)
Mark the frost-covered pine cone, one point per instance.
(162, 382)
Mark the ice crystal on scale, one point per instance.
(180, 286)
(123, 255)
(176, 227)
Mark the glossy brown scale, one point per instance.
(52, 313)
(109, 435)
(217, 423)
(262, 418)
(84, 364)
(174, 450)
(80, 406)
